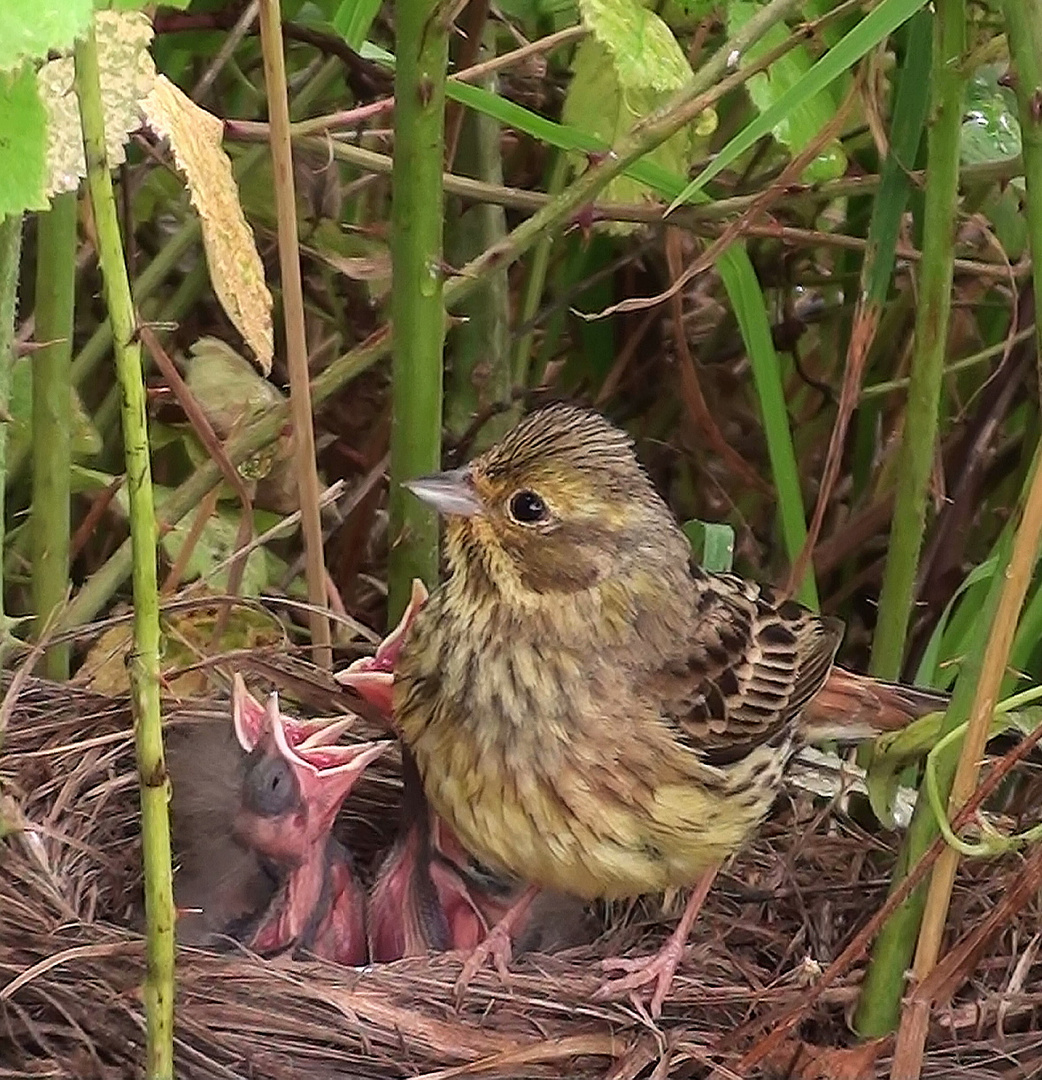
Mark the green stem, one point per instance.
(880, 1004)
(164, 320)
(915, 458)
(417, 304)
(536, 280)
(144, 666)
(1024, 34)
(10, 257)
(684, 106)
(145, 284)
(52, 417)
(479, 375)
(98, 344)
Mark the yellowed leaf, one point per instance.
(127, 76)
(235, 266)
(187, 638)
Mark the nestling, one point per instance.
(296, 778)
(589, 710)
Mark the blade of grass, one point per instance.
(354, 18)
(144, 663)
(417, 303)
(743, 290)
(880, 1001)
(915, 458)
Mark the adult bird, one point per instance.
(588, 709)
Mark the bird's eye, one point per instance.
(527, 508)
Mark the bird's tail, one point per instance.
(851, 708)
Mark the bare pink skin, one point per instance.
(297, 778)
(373, 676)
(420, 900)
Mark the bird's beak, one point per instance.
(450, 493)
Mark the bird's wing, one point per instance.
(750, 662)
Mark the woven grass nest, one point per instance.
(748, 1002)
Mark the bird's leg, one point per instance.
(661, 967)
(497, 943)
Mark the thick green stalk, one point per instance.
(52, 417)
(931, 336)
(1024, 34)
(144, 665)
(10, 256)
(417, 305)
(683, 107)
(880, 1004)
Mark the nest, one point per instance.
(749, 1000)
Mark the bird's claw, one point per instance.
(659, 969)
(497, 946)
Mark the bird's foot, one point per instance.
(497, 944)
(658, 969)
(498, 947)
(661, 967)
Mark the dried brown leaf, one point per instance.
(235, 266)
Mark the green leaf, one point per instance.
(990, 127)
(800, 125)
(30, 29)
(712, 543)
(353, 20)
(929, 671)
(213, 546)
(598, 102)
(23, 143)
(645, 52)
(623, 72)
(875, 27)
(911, 103)
(890, 756)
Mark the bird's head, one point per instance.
(559, 505)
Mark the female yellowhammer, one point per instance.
(589, 710)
